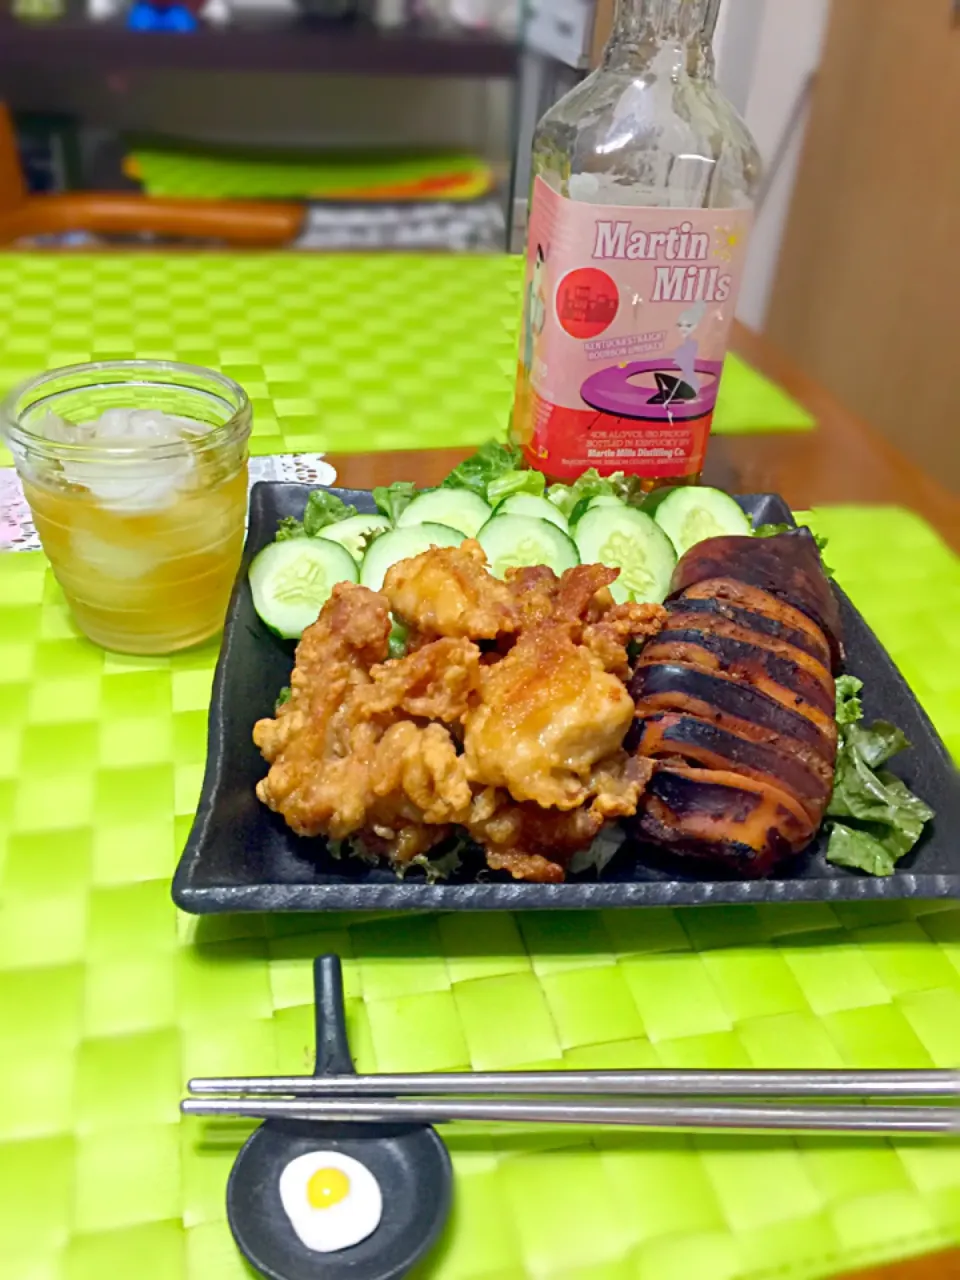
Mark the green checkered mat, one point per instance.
(272, 175)
(110, 1000)
(338, 353)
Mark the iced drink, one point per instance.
(136, 474)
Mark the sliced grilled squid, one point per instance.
(735, 702)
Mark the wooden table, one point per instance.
(846, 460)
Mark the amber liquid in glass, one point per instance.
(150, 581)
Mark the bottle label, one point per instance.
(626, 321)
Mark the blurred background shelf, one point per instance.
(280, 44)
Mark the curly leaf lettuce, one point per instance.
(593, 485)
(392, 500)
(849, 706)
(323, 509)
(511, 482)
(877, 819)
(489, 463)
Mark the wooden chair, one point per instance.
(259, 223)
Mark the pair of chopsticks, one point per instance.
(856, 1101)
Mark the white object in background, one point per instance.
(390, 13)
(487, 15)
(103, 10)
(266, 8)
(561, 29)
(216, 12)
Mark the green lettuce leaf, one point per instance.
(511, 482)
(436, 869)
(289, 528)
(479, 471)
(849, 706)
(859, 850)
(392, 500)
(593, 485)
(284, 696)
(601, 852)
(882, 818)
(878, 744)
(397, 642)
(323, 508)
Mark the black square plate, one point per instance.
(242, 857)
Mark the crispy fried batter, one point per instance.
(350, 635)
(448, 592)
(435, 682)
(531, 843)
(609, 638)
(579, 596)
(343, 757)
(371, 748)
(548, 713)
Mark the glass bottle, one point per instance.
(643, 184)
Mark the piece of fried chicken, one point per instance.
(538, 844)
(448, 591)
(548, 712)
(521, 745)
(345, 756)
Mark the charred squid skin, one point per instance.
(740, 657)
(720, 817)
(741, 595)
(659, 705)
(753, 620)
(669, 683)
(735, 704)
(787, 567)
(699, 659)
(707, 745)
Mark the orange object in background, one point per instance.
(255, 223)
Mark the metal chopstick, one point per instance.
(658, 1083)
(649, 1115)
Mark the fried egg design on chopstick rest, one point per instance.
(332, 1200)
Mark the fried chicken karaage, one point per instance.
(344, 754)
(506, 717)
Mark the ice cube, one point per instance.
(122, 562)
(139, 424)
(122, 483)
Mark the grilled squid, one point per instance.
(735, 702)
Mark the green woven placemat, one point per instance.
(338, 353)
(255, 175)
(110, 1000)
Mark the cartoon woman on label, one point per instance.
(685, 356)
(536, 310)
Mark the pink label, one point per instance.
(626, 322)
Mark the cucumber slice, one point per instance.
(528, 504)
(692, 514)
(353, 532)
(403, 544)
(291, 582)
(629, 541)
(513, 542)
(655, 500)
(588, 504)
(453, 508)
